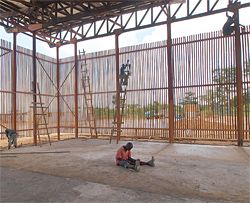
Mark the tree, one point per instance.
(189, 98)
(226, 79)
(222, 98)
(208, 101)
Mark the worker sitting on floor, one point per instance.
(124, 159)
(12, 137)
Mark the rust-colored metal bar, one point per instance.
(118, 99)
(170, 80)
(21, 92)
(76, 90)
(34, 89)
(21, 52)
(51, 80)
(147, 49)
(5, 53)
(58, 92)
(239, 87)
(13, 74)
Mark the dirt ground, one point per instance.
(82, 170)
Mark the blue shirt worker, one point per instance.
(12, 137)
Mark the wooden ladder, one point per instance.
(123, 97)
(88, 95)
(40, 115)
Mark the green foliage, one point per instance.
(226, 77)
(221, 99)
(102, 113)
(155, 107)
(189, 98)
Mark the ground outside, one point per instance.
(80, 170)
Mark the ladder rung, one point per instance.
(85, 82)
(37, 102)
(115, 130)
(121, 107)
(42, 124)
(40, 114)
(45, 107)
(117, 122)
(85, 77)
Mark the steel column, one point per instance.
(118, 99)
(58, 87)
(170, 80)
(76, 90)
(13, 74)
(239, 84)
(34, 90)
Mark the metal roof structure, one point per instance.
(61, 21)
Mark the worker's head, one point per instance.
(129, 146)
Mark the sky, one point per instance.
(159, 33)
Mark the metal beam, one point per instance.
(76, 89)
(239, 84)
(13, 73)
(156, 20)
(34, 90)
(118, 99)
(58, 92)
(77, 24)
(170, 81)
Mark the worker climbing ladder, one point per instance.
(87, 95)
(123, 81)
(40, 115)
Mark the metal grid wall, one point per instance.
(204, 88)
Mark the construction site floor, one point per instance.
(81, 170)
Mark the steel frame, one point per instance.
(92, 22)
(92, 28)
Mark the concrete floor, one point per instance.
(84, 171)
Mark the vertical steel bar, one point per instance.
(58, 87)
(246, 81)
(13, 73)
(118, 113)
(238, 78)
(170, 80)
(34, 89)
(76, 89)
